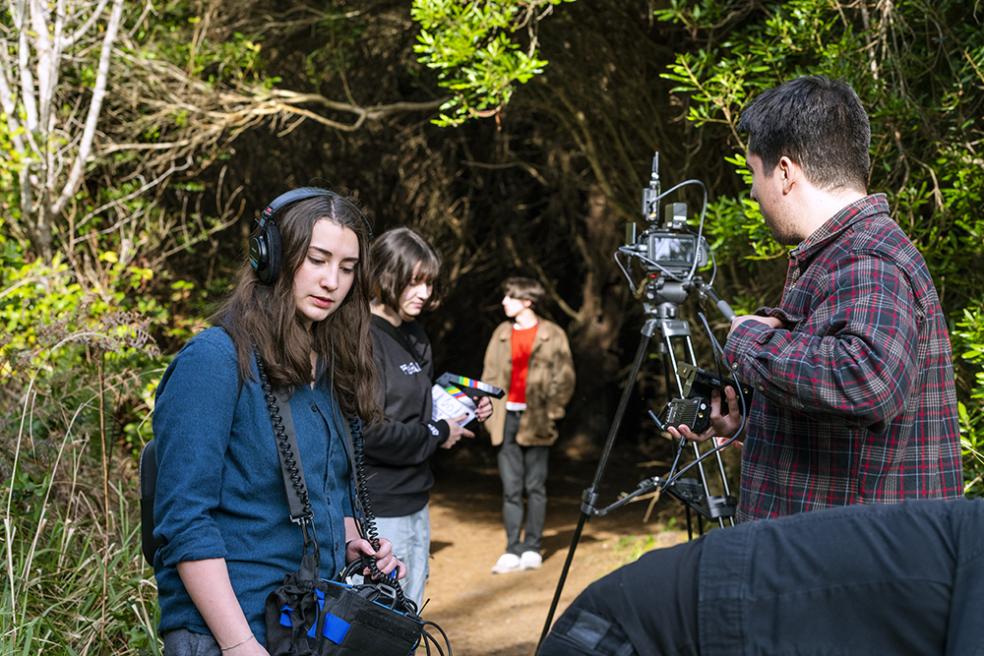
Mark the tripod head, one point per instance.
(661, 297)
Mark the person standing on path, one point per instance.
(530, 358)
(297, 320)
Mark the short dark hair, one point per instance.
(525, 289)
(818, 123)
(397, 255)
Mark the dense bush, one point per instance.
(76, 372)
(917, 67)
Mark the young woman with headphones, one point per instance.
(300, 308)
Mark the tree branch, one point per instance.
(98, 91)
(86, 26)
(23, 64)
(47, 62)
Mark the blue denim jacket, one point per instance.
(220, 492)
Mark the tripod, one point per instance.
(661, 300)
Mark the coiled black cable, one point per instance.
(367, 525)
(368, 522)
(371, 534)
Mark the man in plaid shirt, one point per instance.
(854, 404)
(854, 396)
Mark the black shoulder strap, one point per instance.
(297, 495)
(299, 503)
(148, 488)
(290, 460)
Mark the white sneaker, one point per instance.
(507, 563)
(530, 560)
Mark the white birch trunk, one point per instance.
(44, 141)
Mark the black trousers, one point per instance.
(522, 469)
(888, 579)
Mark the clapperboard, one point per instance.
(456, 395)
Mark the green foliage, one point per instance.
(735, 223)
(68, 585)
(56, 329)
(473, 47)
(77, 369)
(10, 166)
(629, 548)
(175, 35)
(340, 36)
(918, 69)
(968, 345)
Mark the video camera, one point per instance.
(670, 254)
(666, 246)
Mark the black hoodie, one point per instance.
(399, 448)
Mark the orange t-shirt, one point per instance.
(522, 347)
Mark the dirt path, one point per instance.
(502, 615)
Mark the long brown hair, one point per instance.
(264, 317)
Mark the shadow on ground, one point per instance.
(503, 615)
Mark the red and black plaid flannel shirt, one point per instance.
(854, 398)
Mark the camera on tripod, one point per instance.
(667, 246)
(669, 255)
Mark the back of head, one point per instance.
(524, 289)
(818, 123)
(401, 257)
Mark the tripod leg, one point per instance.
(591, 494)
(703, 482)
(563, 577)
(724, 482)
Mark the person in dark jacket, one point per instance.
(221, 509)
(398, 449)
(903, 579)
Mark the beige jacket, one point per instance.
(549, 383)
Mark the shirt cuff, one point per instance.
(206, 544)
(439, 429)
(742, 344)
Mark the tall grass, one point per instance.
(73, 578)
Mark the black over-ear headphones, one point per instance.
(265, 250)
